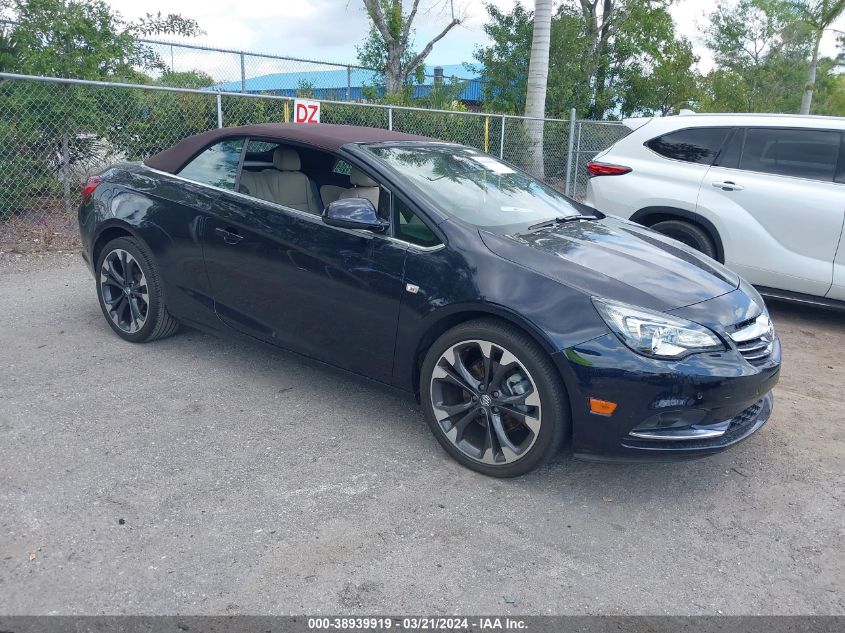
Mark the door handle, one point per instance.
(229, 236)
(728, 186)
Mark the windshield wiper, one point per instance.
(561, 220)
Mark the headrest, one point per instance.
(285, 159)
(360, 179)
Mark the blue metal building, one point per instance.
(349, 84)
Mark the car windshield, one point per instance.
(474, 186)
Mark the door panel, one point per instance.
(777, 231)
(837, 290)
(287, 278)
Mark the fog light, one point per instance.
(676, 418)
(679, 425)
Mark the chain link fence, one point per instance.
(54, 133)
(590, 138)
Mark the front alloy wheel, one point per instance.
(485, 402)
(493, 398)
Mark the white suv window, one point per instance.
(808, 154)
(694, 145)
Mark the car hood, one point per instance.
(617, 259)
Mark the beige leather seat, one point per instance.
(330, 193)
(362, 187)
(285, 184)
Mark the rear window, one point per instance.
(694, 145)
(808, 154)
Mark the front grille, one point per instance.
(754, 339)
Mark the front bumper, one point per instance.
(718, 390)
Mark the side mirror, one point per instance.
(354, 213)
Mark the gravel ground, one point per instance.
(199, 475)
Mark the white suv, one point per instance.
(765, 194)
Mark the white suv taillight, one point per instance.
(605, 169)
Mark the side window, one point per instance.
(342, 167)
(261, 147)
(409, 228)
(695, 145)
(384, 198)
(729, 156)
(800, 153)
(217, 165)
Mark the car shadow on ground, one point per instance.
(563, 478)
(806, 314)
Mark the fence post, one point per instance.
(243, 74)
(577, 157)
(349, 83)
(502, 140)
(570, 188)
(66, 172)
(219, 111)
(390, 119)
(487, 134)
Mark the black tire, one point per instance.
(157, 322)
(688, 233)
(553, 413)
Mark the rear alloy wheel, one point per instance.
(130, 292)
(687, 233)
(124, 289)
(493, 399)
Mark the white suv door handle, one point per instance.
(728, 186)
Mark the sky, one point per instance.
(330, 29)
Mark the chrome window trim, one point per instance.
(771, 175)
(311, 216)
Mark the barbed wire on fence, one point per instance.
(55, 132)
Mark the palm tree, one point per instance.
(817, 15)
(538, 74)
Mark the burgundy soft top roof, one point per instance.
(322, 135)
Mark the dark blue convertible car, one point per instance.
(519, 318)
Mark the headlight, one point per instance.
(656, 333)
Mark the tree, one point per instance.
(603, 21)
(9, 53)
(390, 41)
(538, 75)
(504, 63)
(84, 39)
(644, 66)
(760, 48)
(58, 129)
(818, 15)
(669, 86)
(829, 96)
(647, 67)
(186, 79)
